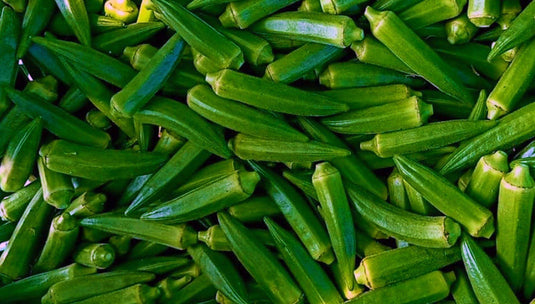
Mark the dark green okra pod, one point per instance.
(145, 249)
(57, 187)
(87, 204)
(36, 16)
(123, 10)
(135, 294)
(428, 12)
(485, 181)
(253, 209)
(115, 41)
(370, 50)
(209, 173)
(461, 290)
(396, 190)
(75, 13)
(97, 255)
(9, 32)
(12, 206)
(483, 13)
(170, 285)
(215, 238)
(198, 290)
(241, 14)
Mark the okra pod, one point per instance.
(123, 10)
(394, 5)
(87, 204)
(73, 100)
(75, 13)
(371, 51)
(241, 14)
(268, 95)
(97, 255)
(209, 173)
(145, 249)
(199, 4)
(303, 181)
(428, 12)
(36, 16)
(215, 238)
(447, 106)
(460, 30)
(120, 244)
(12, 206)
(156, 265)
(113, 42)
(97, 120)
(483, 13)
(420, 230)
(10, 28)
(169, 285)
(417, 202)
(253, 209)
(98, 24)
(57, 187)
(135, 294)
(200, 289)
(461, 290)
(340, 6)
(485, 182)
(396, 190)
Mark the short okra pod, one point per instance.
(396, 191)
(414, 52)
(269, 95)
(460, 30)
(200, 35)
(370, 50)
(176, 236)
(12, 207)
(210, 173)
(253, 209)
(488, 283)
(114, 41)
(483, 13)
(336, 30)
(428, 12)
(404, 114)
(135, 294)
(75, 13)
(447, 198)
(215, 238)
(123, 10)
(97, 255)
(259, 262)
(10, 28)
(57, 187)
(392, 266)
(420, 230)
(263, 149)
(485, 181)
(430, 136)
(79, 288)
(156, 265)
(515, 205)
(60, 242)
(199, 289)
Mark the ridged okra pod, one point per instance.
(57, 187)
(485, 181)
(59, 243)
(205, 200)
(254, 209)
(12, 206)
(114, 42)
(370, 50)
(336, 30)
(96, 255)
(428, 12)
(259, 262)
(483, 13)
(75, 13)
(515, 205)
(123, 10)
(392, 266)
(404, 114)
(176, 236)
(488, 283)
(198, 290)
(269, 95)
(460, 30)
(415, 53)
(87, 204)
(397, 193)
(430, 136)
(461, 290)
(210, 173)
(9, 31)
(418, 204)
(447, 198)
(242, 14)
(215, 238)
(420, 230)
(135, 294)
(200, 35)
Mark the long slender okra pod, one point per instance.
(76, 16)
(370, 50)
(485, 181)
(9, 31)
(394, 5)
(241, 14)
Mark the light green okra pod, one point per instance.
(428, 12)
(485, 181)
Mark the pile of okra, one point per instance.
(267, 151)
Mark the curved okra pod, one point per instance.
(176, 236)
(57, 187)
(414, 52)
(209, 173)
(420, 230)
(98, 164)
(36, 17)
(9, 41)
(515, 205)
(113, 42)
(253, 209)
(522, 29)
(447, 198)
(59, 243)
(241, 14)
(136, 294)
(200, 35)
(430, 136)
(97, 255)
(12, 207)
(178, 119)
(483, 13)
(460, 30)
(263, 149)
(392, 266)
(485, 181)
(428, 12)
(84, 287)
(123, 10)
(259, 262)
(75, 13)
(269, 95)
(404, 114)
(487, 282)
(156, 264)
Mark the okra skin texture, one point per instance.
(485, 181)
(483, 13)
(396, 191)
(87, 204)
(242, 14)
(114, 41)
(394, 5)
(98, 164)
(210, 173)
(488, 283)
(57, 187)
(176, 236)
(415, 53)
(404, 114)
(262, 149)
(371, 51)
(430, 136)
(268, 95)
(75, 13)
(200, 35)
(200, 289)
(274, 279)
(392, 266)
(84, 287)
(240, 117)
(336, 30)
(36, 16)
(10, 28)
(20, 156)
(461, 290)
(135, 294)
(97, 255)
(476, 219)
(420, 230)
(427, 288)
(21, 249)
(428, 12)
(515, 205)
(254, 209)
(35, 286)
(12, 207)
(513, 84)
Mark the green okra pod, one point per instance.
(461, 290)
(200, 289)
(84, 287)
(447, 106)
(510, 10)
(259, 262)
(404, 114)
(430, 136)
(479, 111)
(123, 10)
(178, 119)
(145, 249)
(420, 230)
(302, 180)
(370, 50)
(97, 255)
(256, 51)
(414, 52)
(120, 244)
(298, 214)
(340, 6)
(241, 14)
(59, 243)
(394, 5)
(75, 13)
(263, 149)
(205, 200)
(428, 12)
(87, 204)
(392, 266)
(336, 270)
(268, 95)
(488, 283)
(447, 198)
(176, 236)
(485, 181)
(135, 294)
(215, 238)
(240, 117)
(36, 16)
(156, 265)
(73, 100)
(10, 28)
(396, 191)
(336, 30)
(98, 24)
(200, 35)
(210, 173)
(170, 285)
(417, 202)
(253, 209)
(114, 41)
(98, 164)
(93, 235)
(12, 206)
(255, 292)
(57, 187)
(483, 13)
(515, 205)
(192, 270)
(199, 4)
(460, 30)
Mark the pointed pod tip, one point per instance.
(519, 176)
